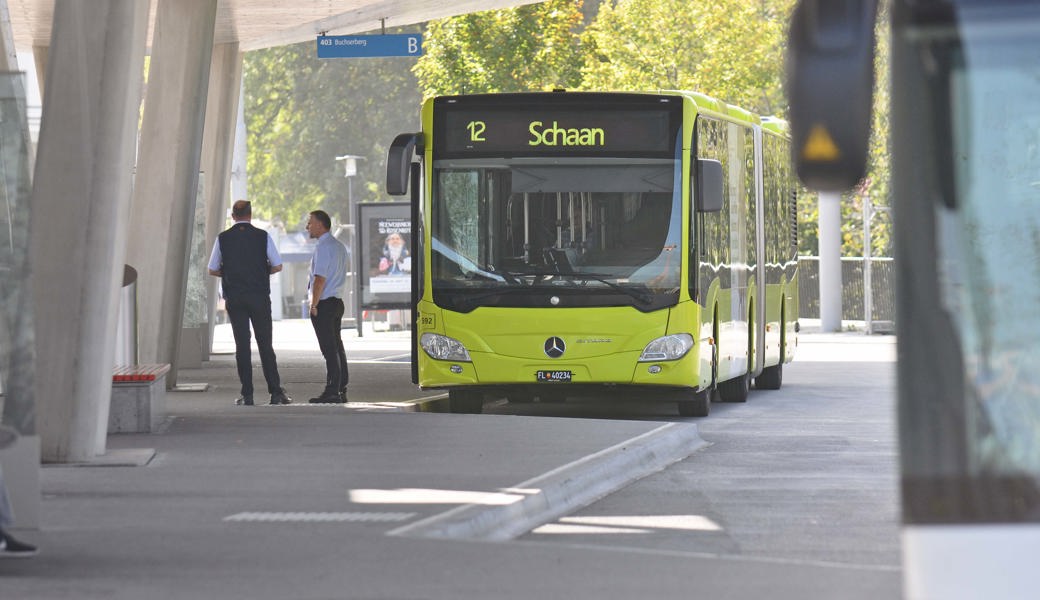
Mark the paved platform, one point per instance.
(222, 493)
(379, 498)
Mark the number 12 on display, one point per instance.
(476, 131)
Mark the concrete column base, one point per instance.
(21, 465)
(191, 350)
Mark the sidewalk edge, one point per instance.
(565, 489)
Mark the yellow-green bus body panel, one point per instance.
(603, 345)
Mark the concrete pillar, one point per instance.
(222, 109)
(238, 161)
(830, 261)
(17, 346)
(80, 210)
(20, 462)
(9, 64)
(168, 172)
(194, 314)
(40, 58)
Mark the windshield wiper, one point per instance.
(640, 294)
(487, 270)
(472, 300)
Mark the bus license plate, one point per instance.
(553, 376)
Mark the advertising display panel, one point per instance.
(385, 262)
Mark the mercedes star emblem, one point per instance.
(554, 347)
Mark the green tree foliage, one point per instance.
(730, 49)
(302, 112)
(879, 168)
(533, 47)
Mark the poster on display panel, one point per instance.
(385, 266)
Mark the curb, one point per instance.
(436, 404)
(545, 498)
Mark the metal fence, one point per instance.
(853, 307)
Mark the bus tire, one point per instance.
(695, 404)
(770, 378)
(465, 402)
(735, 390)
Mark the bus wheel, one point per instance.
(465, 401)
(735, 390)
(770, 378)
(695, 404)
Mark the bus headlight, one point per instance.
(443, 347)
(669, 347)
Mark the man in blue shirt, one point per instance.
(328, 276)
(244, 258)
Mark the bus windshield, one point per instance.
(989, 236)
(605, 230)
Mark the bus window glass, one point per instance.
(990, 244)
(712, 142)
(607, 229)
(458, 212)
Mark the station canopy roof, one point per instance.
(257, 24)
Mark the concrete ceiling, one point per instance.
(256, 24)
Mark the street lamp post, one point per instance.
(349, 171)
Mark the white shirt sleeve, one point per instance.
(215, 257)
(272, 252)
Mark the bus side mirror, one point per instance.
(399, 163)
(830, 81)
(708, 185)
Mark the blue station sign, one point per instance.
(369, 46)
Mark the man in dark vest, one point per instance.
(244, 258)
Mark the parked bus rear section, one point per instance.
(580, 243)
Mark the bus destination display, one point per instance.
(470, 132)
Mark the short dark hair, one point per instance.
(323, 217)
(241, 208)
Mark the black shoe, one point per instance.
(8, 436)
(327, 398)
(12, 548)
(244, 400)
(280, 397)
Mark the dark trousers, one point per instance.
(255, 309)
(327, 322)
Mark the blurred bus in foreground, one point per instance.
(965, 144)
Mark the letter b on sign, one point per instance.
(413, 45)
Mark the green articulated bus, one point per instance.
(589, 244)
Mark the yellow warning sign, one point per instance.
(820, 147)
